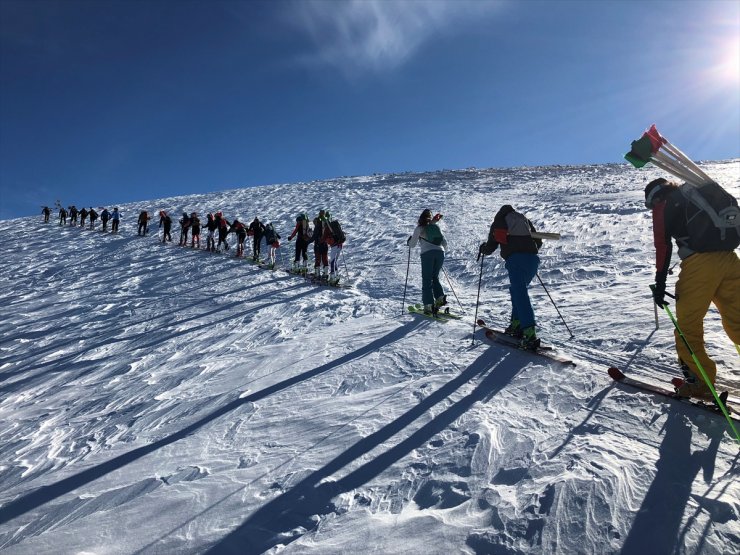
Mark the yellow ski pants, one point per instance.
(707, 277)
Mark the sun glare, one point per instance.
(728, 68)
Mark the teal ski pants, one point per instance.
(431, 265)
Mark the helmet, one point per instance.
(653, 190)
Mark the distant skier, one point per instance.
(211, 226)
(166, 222)
(104, 217)
(320, 247)
(184, 228)
(115, 220)
(83, 216)
(335, 239)
(241, 235)
(73, 215)
(47, 213)
(223, 231)
(62, 216)
(272, 240)
(302, 232)
(194, 230)
(257, 231)
(93, 215)
(710, 273)
(143, 222)
(432, 244)
(513, 231)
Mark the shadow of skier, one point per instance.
(656, 525)
(268, 526)
(45, 494)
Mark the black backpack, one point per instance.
(337, 232)
(269, 234)
(712, 218)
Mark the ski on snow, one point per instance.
(502, 338)
(618, 376)
(441, 315)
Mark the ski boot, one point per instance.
(529, 340)
(514, 329)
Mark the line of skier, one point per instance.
(72, 214)
(326, 234)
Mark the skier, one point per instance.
(334, 237)
(223, 231)
(432, 245)
(513, 231)
(241, 235)
(104, 217)
(83, 216)
(256, 230)
(320, 247)
(272, 240)
(184, 227)
(195, 230)
(73, 215)
(166, 221)
(302, 232)
(115, 220)
(710, 273)
(62, 216)
(93, 216)
(211, 226)
(143, 223)
(46, 212)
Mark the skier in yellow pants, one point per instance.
(706, 277)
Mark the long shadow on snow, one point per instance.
(109, 338)
(656, 526)
(269, 525)
(45, 494)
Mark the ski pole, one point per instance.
(453, 289)
(477, 300)
(556, 306)
(655, 306)
(408, 265)
(719, 402)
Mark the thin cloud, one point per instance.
(359, 35)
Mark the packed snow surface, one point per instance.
(160, 399)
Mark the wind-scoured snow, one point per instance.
(159, 399)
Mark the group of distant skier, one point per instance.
(710, 269)
(326, 234)
(72, 213)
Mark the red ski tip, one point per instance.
(616, 373)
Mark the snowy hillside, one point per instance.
(158, 399)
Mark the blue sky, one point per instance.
(105, 102)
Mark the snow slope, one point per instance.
(158, 399)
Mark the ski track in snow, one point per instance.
(157, 399)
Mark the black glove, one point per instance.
(659, 294)
(409, 239)
(290, 238)
(480, 251)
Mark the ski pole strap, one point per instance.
(719, 402)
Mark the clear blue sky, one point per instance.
(105, 101)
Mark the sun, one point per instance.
(727, 70)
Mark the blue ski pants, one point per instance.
(431, 265)
(522, 268)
